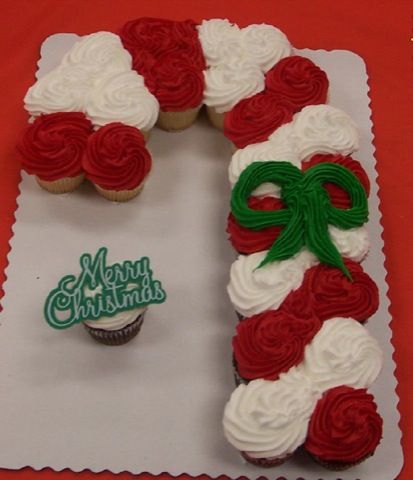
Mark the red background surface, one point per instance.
(379, 31)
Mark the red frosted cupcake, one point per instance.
(328, 293)
(345, 428)
(169, 56)
(52, 149)
(270, 343)
(117, 161)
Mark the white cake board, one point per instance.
(155, 404)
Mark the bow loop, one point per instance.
(308, 209)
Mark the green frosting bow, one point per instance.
(308, 209)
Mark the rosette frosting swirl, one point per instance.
(122, 97)
(262, 152)
(220, 41)
(265, 44)
(53, 146)
(117, 158)
(324, 129)
(268, 419)
(227, 84)
(345, 426)
(64, 89)
(299, 81)
(271, 342)
(253, 290)
(169, 56)
(252, 120)
(342, 353)
(100, 53)
(178, 84)
(328, 293)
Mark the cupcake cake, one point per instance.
(53, 148)
(169, 56)
(117, 161)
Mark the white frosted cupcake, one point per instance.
(118, 329)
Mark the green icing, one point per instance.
(102, 290)
(308, 209)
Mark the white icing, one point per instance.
(261, 152)
(342, 353)
(324, 129)
(122, 97)
(237, 60)
(269, 419)
(353, 243)
(101, 53)
(220, 41)
(316, 129)
(227, 84)
(265, 45)
(253, 290)
(62, 90)
(118, 321)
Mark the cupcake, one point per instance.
(328, 293)
(118, 329)
(260, 417)
(117, 161)
(270, 343)
(345, 428)
(52, 149)
(169, 56)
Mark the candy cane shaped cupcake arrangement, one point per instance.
(302, 358)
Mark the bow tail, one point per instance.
(317, 236)
(289, 242)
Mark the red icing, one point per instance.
(52, 147)
(328, 293)
(116, 157)
(292, 84)
(345, 426)
(248, 241)
(272, 342)
(254, 119)
(169, 56)
(339, 197)
(299, 81)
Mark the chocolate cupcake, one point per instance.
(116, 330)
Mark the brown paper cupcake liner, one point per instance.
(175, 121)
(63, 185)
(338, 466)
(237, 377)
(116, 337)
(265, 462)
(119, 195)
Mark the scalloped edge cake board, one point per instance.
(155, 404)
